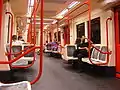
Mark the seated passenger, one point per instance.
(45, 45)
(48, 45)
(81, 51)
(81, 47)
(20, 40)
(54, 45)
(14, 39)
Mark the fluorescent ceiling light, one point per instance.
(30, 7)
(73, 4)
(109, 1)
(63, 12)
(54, 21)
(59, 17)
(31, 3)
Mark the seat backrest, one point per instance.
(95, 53)
(24, 85)
(30, 54)
(70, 50)
(48, 46)
(16, 49)
(103, 56)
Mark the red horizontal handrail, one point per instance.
(26, 66)
(91, 43)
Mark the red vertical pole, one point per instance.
(116, 18)
(41, 44)
(89, 28)
(1, 10)
(28, 35)
(57, 30)
(31, 31)
(68, 32)
(34, 20)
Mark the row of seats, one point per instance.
(16, 49)
(96, 56)
(48, 49)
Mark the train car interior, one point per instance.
(59, 44)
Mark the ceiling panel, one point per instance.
(19, 7)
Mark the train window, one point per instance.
(59, 38)
(80, 30)
(95, 30)
(55, 35)
(50, 36)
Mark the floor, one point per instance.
(59, 76)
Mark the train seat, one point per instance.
(96, 56)
(68, 54)
(57, 50)
(47, 48)
(24, 85)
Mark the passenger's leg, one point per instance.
(75, 53)
(81, 67)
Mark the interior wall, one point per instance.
(97, 11)
(103, 14)
(4, 67)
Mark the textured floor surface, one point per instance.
(58, 76)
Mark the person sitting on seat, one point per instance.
(20, 40)
(14, 40)
(81, 47)
(54, 45)
(81, 51)
(45, 45)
